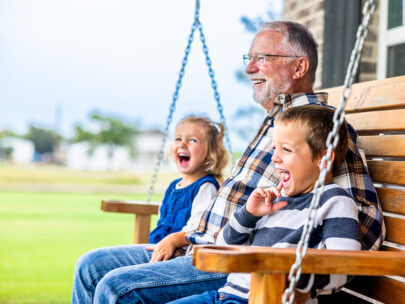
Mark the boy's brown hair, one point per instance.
(318, 121)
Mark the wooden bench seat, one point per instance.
(376, 109)
(142, 211)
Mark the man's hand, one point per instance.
(260, 202)
(163, 250)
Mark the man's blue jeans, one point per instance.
(123, 274)
(211, 297)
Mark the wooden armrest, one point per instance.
(279, 260)
(137, 207)
(142, 210)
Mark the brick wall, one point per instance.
(311, 14)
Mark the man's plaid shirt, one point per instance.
(255, 169)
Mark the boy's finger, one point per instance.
(280, 186)
(261, 191)
(279, 205)
(275, 191)
(269, 196)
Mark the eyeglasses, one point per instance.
(260, 59)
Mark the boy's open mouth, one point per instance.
(284, 175)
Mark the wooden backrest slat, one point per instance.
(384, 146)
(390, 172)
(386, 247)
(378, 122)
(384, 289)
(373, 108)
(372, 95)
(395, 229)
(392, 200)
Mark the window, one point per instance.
(391, 39)
(396, 60)
(395, 13)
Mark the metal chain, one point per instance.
(331, 143)
(196, 25)
(214, 87)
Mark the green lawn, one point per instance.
(43, 234)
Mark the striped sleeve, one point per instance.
(239, 229)
(337, 221)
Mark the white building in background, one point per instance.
(22, 150)
(148, 144)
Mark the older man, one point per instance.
(281, 64)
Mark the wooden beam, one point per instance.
(279, 260)
(138, 207)
(267, 288)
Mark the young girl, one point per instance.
(200, 156)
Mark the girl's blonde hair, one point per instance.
(217, 156)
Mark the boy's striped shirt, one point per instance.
(336, 227)
(254, 169)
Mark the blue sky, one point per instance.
(61, 59)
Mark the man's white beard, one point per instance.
(271, 90)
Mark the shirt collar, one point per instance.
(285, 101)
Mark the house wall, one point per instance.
(311, 13)
(369, 55)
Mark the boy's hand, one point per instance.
(260, 202)
(163, 250)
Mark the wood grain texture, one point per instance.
(279, 260)
(372, 95)
(267, 288)
(395, 229)
(390, 172)
(384, 146)
(381, 122)
(137, 207)
(392, 200)
(142, 228)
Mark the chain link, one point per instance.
(214, 87)
(196, 25)
(331, 143)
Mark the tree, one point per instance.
(112, 132)
(5, 151)
(45, 140)
(7, 133)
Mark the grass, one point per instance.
(42, 235)
(61, 175)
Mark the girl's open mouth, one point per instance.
(183, 158)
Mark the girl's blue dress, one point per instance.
(176, 208)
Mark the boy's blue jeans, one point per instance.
(123, 274)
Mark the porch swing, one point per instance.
(144, 209)
(376, 110)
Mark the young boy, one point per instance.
(275, 217)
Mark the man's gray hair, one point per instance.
(298, 41)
